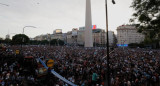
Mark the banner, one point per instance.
(57, 75)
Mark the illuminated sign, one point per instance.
(94, 26)
(57, 31)
(122, 45)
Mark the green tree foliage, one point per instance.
(54, 42)
(44, 42)
(1, 40)
(147, 12)
(135, 45)
(34, 42)
(20, 39)
(7, 41)
(57, 42)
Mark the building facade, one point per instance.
(127, 34)
(7, 36)
(77, 37)
(41, 37)
(98, 35)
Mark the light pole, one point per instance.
(49, 37)
(58, 41)
(27, 26)
(23, 33)
(108, 68)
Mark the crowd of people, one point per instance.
(88, 66)
(12, 73)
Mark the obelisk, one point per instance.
(88, 25)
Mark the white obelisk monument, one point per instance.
(88, 25)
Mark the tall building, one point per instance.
(127, 34)
(88, 25)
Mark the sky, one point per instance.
(48, 15)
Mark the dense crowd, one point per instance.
(88, 66)
(11, 72)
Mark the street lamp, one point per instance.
(108, 68)
(23, 33)
(27, 26)
(49, 37)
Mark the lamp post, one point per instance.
(27, 26)
(58, 41)
(108, 68)
(49, 37)
(23, 38)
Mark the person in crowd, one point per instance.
(88, 66)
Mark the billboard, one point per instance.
(58, 31)
(94, 26)
(122, 45)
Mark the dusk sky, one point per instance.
(48, 15)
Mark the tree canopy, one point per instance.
(147, 12)
(57, 42)
(20, 39)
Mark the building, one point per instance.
(127, 34)
(77, 37)
(64, 35)
(98, 35)
(57, 34)
(7, 36)
(69, 38)
(112, 38)
(72, 36)
(80, 37)
(42, 37)
(81, 28)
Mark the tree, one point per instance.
(7, 41)
(44, 42)
(1, 40)
(57, 42)
(53, 42)
(61, 42)
(20, 39)
(147, 12)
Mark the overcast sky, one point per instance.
(48, 15)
